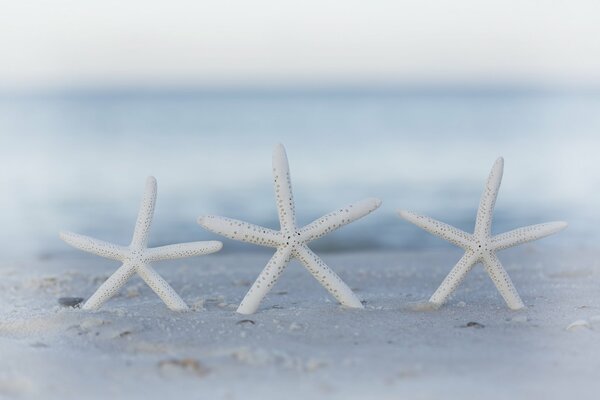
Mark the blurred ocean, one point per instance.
(78, 161)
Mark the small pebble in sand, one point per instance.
(473, 324)
(461, 304)
(74, 302)
(245, 321)
(579, 325)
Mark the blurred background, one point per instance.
(409, 101)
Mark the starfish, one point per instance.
(481, 246)
(136, 257)
(291, 241)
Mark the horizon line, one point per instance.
(346, 89)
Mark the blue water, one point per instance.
(78, 161)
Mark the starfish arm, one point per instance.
(454, 278)
(329, 279)
(240, 230)
(483, 224)
(110, 287)
(265, 281)
(94, 246)
(283, 189)
(526, 234)
(503, 282)
(182, 250)
(447, 232)
(337, 219)
(161, 288)
(144, 219)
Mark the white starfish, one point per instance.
(291, 241)
(481, 246)
(136, 257)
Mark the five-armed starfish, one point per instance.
(291, 241)
(137, 256)
(481, 246)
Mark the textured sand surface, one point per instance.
(301, 344)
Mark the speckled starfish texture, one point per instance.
(481, 246)
(137, 257)
(291, 241)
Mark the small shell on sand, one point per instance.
(579, 325)
(70, 301)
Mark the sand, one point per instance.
(301, 344)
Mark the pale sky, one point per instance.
(145, 42)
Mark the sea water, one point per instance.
(78, 161)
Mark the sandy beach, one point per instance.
(301, 344)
